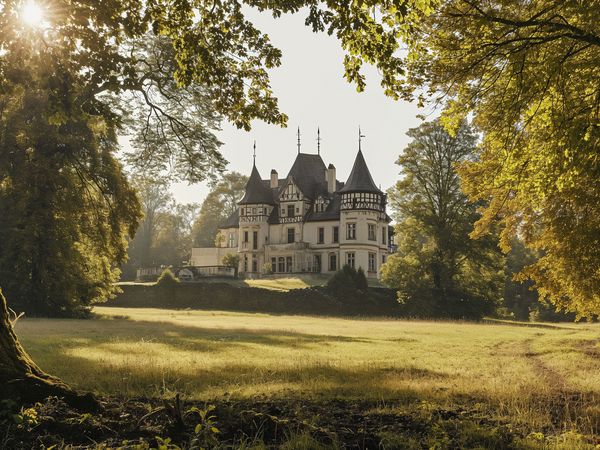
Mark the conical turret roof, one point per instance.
(360, 179)
(256, 191)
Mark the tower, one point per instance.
(363, 220)
(255, 209)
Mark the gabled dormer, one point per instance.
(321, 204)
(290, 191)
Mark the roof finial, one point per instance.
(254, 154)
(298, 139)
(318, 141)
(360, 136)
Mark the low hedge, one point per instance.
(222, 296)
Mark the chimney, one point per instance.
(274, 179)
(331, 182)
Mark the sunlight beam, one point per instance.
(32, 14)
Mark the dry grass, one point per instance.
(547, 377)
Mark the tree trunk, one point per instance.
(22, 380)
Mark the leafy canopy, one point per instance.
(219, 204)
(527, 72)
(435, 257)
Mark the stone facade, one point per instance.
(307, 222)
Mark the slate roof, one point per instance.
(256, 190)
(332, 212)
(360, 179)
(233, 221)
(308, 172)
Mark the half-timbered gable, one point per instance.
(309, 221)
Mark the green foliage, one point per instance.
(436, 264)
(167, 278)
(267, 269)
(526, 72)
(232, 260)
(12, 414)
(348, 284)
(520, 297)
(65, 203)
(219, 204)
(205, 431)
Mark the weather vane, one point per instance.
(318, 141)
(298, 139)
(360, 136)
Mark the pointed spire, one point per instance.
(256, 191)
(318, 141)
(360, 179)
(360, 136)
(298, 139)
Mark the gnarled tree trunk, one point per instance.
(21, 379)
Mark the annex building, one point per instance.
(307, 221)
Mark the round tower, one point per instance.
(363, 220)
(255, 209)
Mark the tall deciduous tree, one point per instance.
(155, 200)
(435, 257)
(65, 205)
(219, 204)
(86, 54)
(528, 72)
(164, 236)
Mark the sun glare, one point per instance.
(32, 14)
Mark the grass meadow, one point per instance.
(545, 378)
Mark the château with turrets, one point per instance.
(307, 221)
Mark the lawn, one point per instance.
(545, 377)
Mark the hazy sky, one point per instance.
(312, 92)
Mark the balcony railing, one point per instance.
(287, 247)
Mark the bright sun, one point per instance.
(32, 13)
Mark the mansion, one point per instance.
(306, 222)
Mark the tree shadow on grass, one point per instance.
(113, 366)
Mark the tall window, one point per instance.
(372, 262)
(372, 235)
(273, 265)
(350, 259)
(332, 262)
(351, 231)
(291, 235)
(255, 240)
(317, 267)
(245, 236)
(321, 235)
(336, 235)
(288, 263)
(254, 264)
(231, 240)
(245, 263)
(384, 235)
(290, 210)
(281, 262)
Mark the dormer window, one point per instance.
(321, 204)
